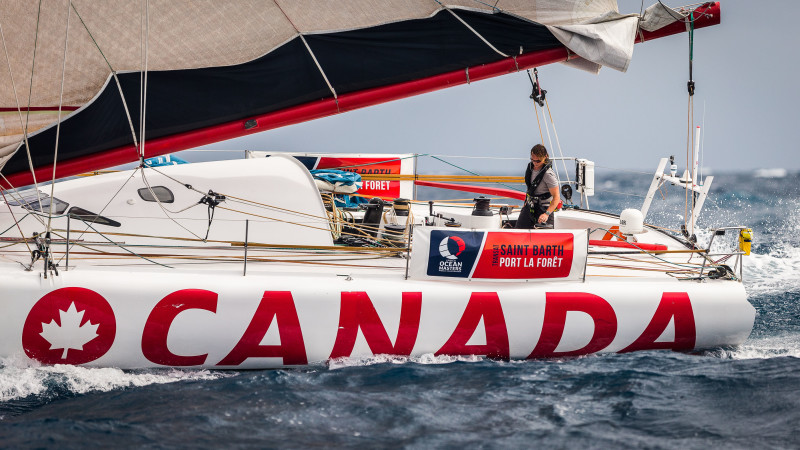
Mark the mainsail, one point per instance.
(206, 71)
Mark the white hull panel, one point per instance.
(275, 320)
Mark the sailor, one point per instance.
(542, 195)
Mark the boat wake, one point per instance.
(20, 380)
(777, 272)
(787, 345)
(426, 359)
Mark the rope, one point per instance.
(116, 80)
(2, 191)
(58, 124)
(164, 209)
(321, 71)
(120, 246)
(475, 32)
(22, 125)
(299, 224)
(103, 209)
(382, 162)
(143, 80)
(468, 171)
(689, 212)
(28, 112)
(19, 198)
(560, 152)
(541, 137)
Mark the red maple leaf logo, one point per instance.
(69, 326)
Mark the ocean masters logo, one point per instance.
(453, 253)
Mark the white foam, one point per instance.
(428, 358)
(766, 348)
(777, 272)
(20, 379)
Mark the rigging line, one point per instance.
(494, 7)
(28, 112)
(616, 169)
(621, 193)
(190, 187)
(702, 140)
(255, 246)
(202, 193)
(19, 198)
(310, 52)
(321, 71)
(186, 185)
(649, 253)
(549, 139)
(120, 246)
(166, 213)
(560, 152)
(2, 191)
(538, 122)
(471, 172)
(58, 124)
(299, 224)
(270, 207)
(475, 32)
(143, 86)
(14, 89)
(104, 208)
(116, 80)
(382, 162)
(679, 18)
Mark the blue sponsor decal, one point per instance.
(453, 253)
(309, 161)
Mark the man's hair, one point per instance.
(540, 151)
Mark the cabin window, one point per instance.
(30, 201)
(90, 217)
(163, 194)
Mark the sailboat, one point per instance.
(249, 263)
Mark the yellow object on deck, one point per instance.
(745, 237)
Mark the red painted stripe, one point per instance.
(624, 244)
(40, 108)
(322, 108)
(508, 193)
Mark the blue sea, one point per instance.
(741, 397)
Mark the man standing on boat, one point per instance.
(543, 197)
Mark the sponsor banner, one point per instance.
(499, 255)
(364, 164)
(453, 253)
(525, 255)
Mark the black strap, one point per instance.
(538, 180)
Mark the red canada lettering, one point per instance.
(557, 304)
(673, 305)
(357, 311)
(277, 306)
(484, 305)
(156, 329)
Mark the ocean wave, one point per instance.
(20, 379)
(426, 359)
(776, 272)
(786, 345)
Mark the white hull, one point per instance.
(202, 328)
(474, 290)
